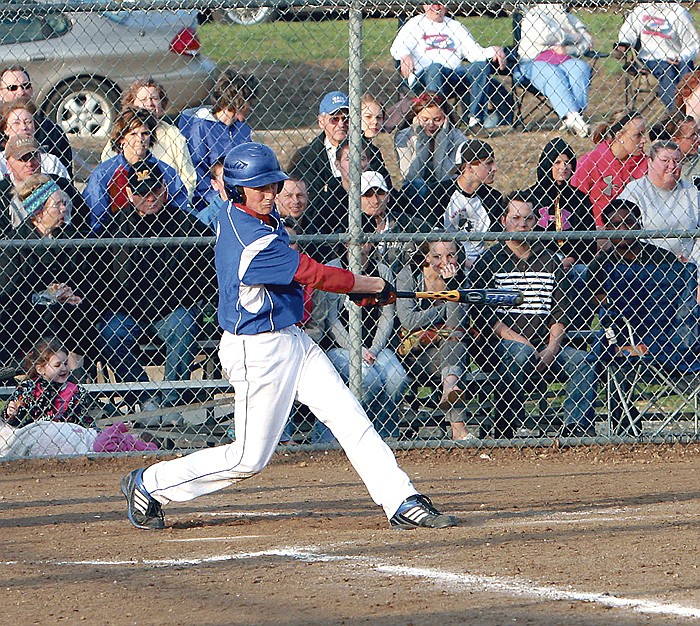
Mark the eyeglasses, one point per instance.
(23, 86)
(337, 119)
(59, 204)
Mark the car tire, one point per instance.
(84, 107)
(249, 17)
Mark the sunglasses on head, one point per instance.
(22, 86)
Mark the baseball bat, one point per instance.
(483, 297)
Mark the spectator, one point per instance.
(551, 42)
(210, 214)
(328, 213)
(371, 116)
(622, 214)
(666, 201)
(688, 95)
(426, 149)
(382, 215)
(530, 337)
(469, 203)
(105, 193)
(666, 40)
(16, 83)
(17, 118)
(617, 158)
(49, 280)
(23, 158)
(431, 48)
(292, 203)
(372, 124)
(315, 163)
(47, 414)
(433, 330)
(158, 290)
(384, 379)
(46, 394)
(560, 207)
(211, 132)
(687, 136)
(169, 145)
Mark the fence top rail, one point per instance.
(434, 235)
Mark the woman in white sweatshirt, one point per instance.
(551, 41)
(667, 43)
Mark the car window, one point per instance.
(23, 29)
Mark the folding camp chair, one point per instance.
(652, 340)
(539, 113)
(640, 84)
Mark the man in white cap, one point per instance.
(384, 212)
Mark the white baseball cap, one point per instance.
(372, 180)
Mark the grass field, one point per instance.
(326, 41)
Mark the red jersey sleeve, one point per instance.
(323, 277)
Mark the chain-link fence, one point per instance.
(487, 150)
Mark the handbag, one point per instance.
(418, 340)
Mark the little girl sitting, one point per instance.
(47, 414)
(46, 393)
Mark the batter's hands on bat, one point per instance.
(386, 296)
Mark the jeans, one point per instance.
(517, 363)
(471, 79)
(383, 385)
(579, 308)
(668, 75)
(564, 85)
(120, 334)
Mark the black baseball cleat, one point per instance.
(143, 511)
(418, 512)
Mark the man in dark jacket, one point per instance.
(316, 163)
(157, 289)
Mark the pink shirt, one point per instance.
(602, 176)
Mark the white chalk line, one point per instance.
(230, 538)
(488, 584)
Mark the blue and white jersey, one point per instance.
(255, 269)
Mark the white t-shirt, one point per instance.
(445, 43)
(675, 209)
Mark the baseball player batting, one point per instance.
(271, 362)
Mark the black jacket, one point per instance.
(572, 205)
(147, 283)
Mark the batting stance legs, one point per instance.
(268, 371)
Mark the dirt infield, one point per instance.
(580, 536)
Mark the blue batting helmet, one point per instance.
(251, 165)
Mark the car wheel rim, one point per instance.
(249, 16)
(85, 114)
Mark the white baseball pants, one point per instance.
(268, 372)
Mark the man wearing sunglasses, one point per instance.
(316, 163)
(15, 83)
